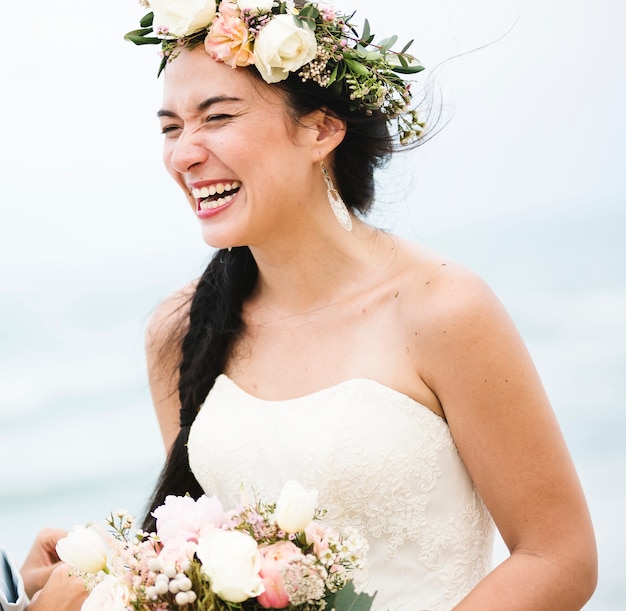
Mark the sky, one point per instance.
(532, 104)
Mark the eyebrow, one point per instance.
(202, 106)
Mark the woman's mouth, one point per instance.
(215, 195)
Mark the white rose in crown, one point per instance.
(180, 18)
(255, 6)
(295, 507)
(281, 47)
(109, 595)
(232, 561)
(83, 549)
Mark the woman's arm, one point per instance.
(508, 437)
(163, 353)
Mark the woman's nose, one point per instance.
(187, 152)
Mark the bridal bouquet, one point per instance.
(257, 556)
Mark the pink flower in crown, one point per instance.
(327, 11)
(229, 39)
(274, 558)
(182, 516)
(229, 9)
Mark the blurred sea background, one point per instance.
(525, 185)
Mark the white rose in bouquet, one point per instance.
(109, 595)
(83, 549)
(232, 561)
(182, 17)
(295, 507)
(281, 47)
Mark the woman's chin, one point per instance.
(218, 242)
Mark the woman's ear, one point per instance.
(327, 132)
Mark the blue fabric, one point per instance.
(12, 595)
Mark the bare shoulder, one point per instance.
(468, 350)
(442, 294)
(439, 316)
(169, 316)
(457, 329)
(164, 335)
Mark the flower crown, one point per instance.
(278, 38)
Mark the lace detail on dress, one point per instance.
(381, 463)
(386, 494)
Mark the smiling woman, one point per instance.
(216, 131)
(373, 370)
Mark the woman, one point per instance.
(316, 347)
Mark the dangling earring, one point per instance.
(336, 203)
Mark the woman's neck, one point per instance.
(320, 268)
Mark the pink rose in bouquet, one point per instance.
(178, 551)
(182, 516)
(274, 559)
(319, 536)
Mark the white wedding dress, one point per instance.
(380, 461)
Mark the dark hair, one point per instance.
(214, 320)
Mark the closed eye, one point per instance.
(169, 130)
(217, 118)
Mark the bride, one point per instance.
(319, 348)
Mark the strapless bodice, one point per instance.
(381, 462)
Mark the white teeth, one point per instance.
(216, 203)
(215, 189)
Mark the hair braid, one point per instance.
(214, 322)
